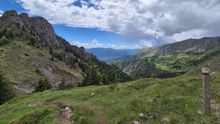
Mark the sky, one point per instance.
(124, 24)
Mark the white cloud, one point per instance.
(163, 20)
(146, 43)
(93, 44)
(190, 34)
(1, 12)
(96, 44)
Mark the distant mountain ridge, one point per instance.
(109, 54)
(196, 45)
(171, 59)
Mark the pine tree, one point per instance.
(5, 90)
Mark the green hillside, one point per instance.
(148, 64)
(175, 100)
(18, 62)
(152, 100)
(31, 53)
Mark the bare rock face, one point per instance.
(25, 87)
(11, 19)
(56, 75)
(39, 31)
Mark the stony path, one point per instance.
(65, 115)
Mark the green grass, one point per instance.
(176, 99)
(16, 61)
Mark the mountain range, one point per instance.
(170, 60)
(109, 55)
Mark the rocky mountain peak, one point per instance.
(10, 13)
(39, 31)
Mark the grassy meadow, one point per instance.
(153, 101)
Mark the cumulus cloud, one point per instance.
(162, 20)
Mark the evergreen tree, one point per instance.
(43, 85)
(4, 40)
(5, 90)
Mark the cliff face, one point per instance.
(196, 45)
(38, 30)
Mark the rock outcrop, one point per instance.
(39, 31)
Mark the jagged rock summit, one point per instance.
(38, 30)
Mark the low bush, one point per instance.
(64, 86)
(5, 90)
(43, 85)
(4, 40)
(55, 53)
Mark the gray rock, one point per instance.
(136, 122)
(141, 115)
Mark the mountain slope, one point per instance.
(196, 45)
(33, 51)
(109, 54)
(173, 100)
(25, 65)
(171, 59)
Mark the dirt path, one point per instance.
(65, 113)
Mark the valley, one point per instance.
(111, 55)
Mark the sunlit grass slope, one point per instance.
(176, 100)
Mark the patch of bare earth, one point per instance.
(65, 112)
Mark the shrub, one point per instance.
(5, 90)
(112, 87)
(43, 85)
(64, 86)
(3, 40)
(55, 53)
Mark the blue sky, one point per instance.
(90, 37)
(124, 23)
(86, 37)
